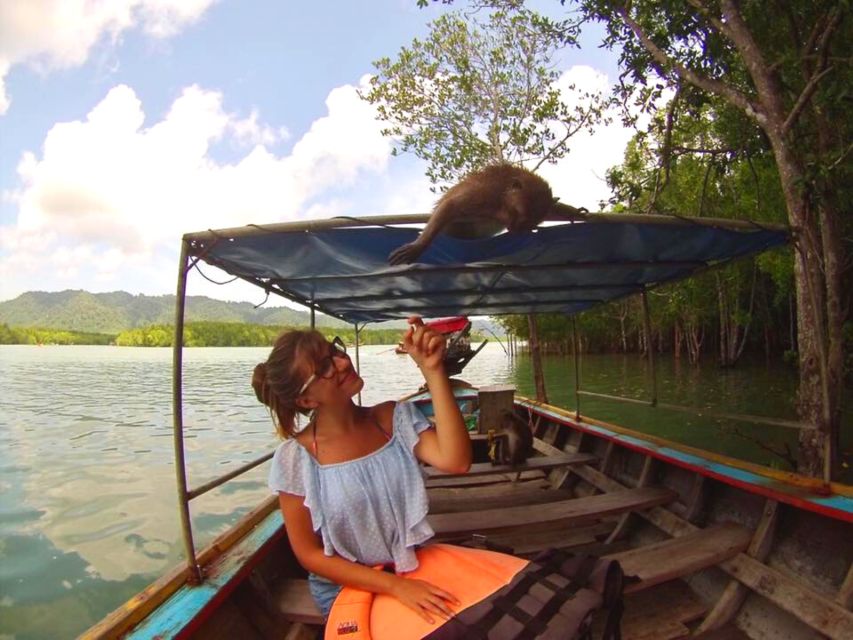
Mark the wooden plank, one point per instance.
(493, 401)
(729, 632)
(845, 593)
(529, 542)
(642, 481)
(680, 557)
(733, 596)
(295, 602)
(566, 511)
(463, 481)
(507, 494)
(299, 631)
(540, 463)
(813, 608)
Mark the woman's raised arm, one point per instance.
(448, 447)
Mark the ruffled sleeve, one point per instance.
(286, 470)
(409, 423)
(292, 471)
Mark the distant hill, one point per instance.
(75, 310)
(118, 311)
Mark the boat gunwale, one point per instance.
(797, 483)
(791, 486)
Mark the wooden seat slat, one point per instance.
(653, 564)
(295, 602)
(682, 556)
(494, 496)
(539, 463)
(564, 512)
(478, 481)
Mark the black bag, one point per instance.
(553, 598)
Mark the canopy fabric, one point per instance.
(566, 268)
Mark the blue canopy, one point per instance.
(342, 269)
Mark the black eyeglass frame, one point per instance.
(326, 368)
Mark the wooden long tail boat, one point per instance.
(722, 548)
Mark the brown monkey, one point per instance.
(512, 442)
(501, 196)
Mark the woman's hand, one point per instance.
(424, 598)
(426, 346)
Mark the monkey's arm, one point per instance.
(410, 252)
(563, 211)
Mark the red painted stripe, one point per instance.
(781, 496)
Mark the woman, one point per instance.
(349, 484)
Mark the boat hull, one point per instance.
(729, 545)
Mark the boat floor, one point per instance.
(563, 502)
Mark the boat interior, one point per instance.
(712, 560)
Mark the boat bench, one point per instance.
(563, 512)
(294, 599)
(481, 472)
(682, 556)
(653, 564)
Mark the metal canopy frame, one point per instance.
(483, 287)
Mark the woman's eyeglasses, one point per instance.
(326, 368)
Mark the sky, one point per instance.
(127, 123)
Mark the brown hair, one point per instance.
(277, 381)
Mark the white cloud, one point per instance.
(103, 204)
(579, 178)
(113, 189)
(59, 34)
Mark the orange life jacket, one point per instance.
(501, 596)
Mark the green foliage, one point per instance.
(477, 91)
(30, 335)
(234, 334)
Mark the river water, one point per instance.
(88, 512)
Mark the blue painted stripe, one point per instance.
(171, 617)
(790, 493)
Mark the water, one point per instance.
(87, 509)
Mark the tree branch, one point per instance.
(718, 24)
(703, 150)
(803, 99)
(703, 82)
(818, 74)
(787, 455)
(770, 97)
(666, 152)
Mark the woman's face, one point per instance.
(332, 373)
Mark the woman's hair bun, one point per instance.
(259, 382)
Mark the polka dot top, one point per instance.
(370, 510)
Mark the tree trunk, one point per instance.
(814, 319)
(814, 401)
(677, 340)
(536, 355)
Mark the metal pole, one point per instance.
(312, 315)
(577, 369)
(357, 358)
(647, 327)
(194, 575)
